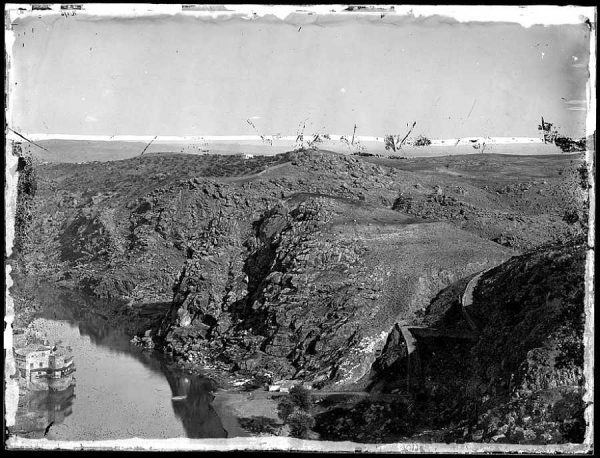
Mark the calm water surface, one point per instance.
(119, 391)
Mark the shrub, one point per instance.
(300, 423)
(548, 131)
(294, 410)
(259, 425)
(391, 142)
(301, 397)
(571, 216)
(568, 145)
(285, 408)
(422, 141)
(316, 139)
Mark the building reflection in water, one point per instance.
(39, 409)
(191, 395)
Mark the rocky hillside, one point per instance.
(519, 202)
(311, 289)
(519, 377)
(77, 223)
(299, 264)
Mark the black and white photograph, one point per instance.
(319, 228)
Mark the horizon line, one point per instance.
(267, 139)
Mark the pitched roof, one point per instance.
(24, 351)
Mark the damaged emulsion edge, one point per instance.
(11, 389)
(526, 16)
(588, 336)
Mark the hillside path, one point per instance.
(467, 299)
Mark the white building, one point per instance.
(36, 361)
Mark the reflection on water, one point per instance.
(191, 403)
(38, 409)
(120, 391)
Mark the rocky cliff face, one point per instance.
(310, 286)
(300, 264)
(26, 190)
(88, 230)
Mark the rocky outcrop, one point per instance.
(26, 190)
(306, 291)
(118, 229)
(121, 228)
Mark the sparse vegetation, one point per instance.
(391, 142)
(315, 141)
(569, 145)
(395, 142)
(260, 425)
(566, 144)
(422, 141)
(548, 131)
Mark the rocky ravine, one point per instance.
(300, 265)
(310, 292)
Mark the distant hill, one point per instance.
(82, 150)
(59, 150)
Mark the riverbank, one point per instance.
(234, 407)
(114, 381)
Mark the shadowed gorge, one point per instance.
(316, 267)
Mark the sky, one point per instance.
(181, 75)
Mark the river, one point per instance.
(119, 391)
